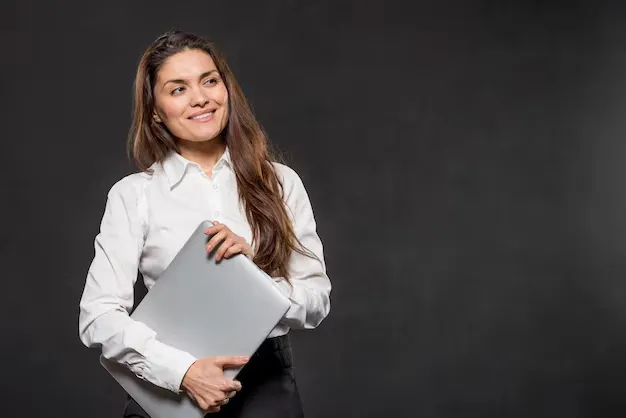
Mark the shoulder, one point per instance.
(288, 177)
(130, 186)
(294, 192)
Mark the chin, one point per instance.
(203, 138)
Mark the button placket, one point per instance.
(215, 198)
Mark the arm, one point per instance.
(108, 296)
(309, 292)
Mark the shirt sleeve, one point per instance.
(107, 298)
(309, 287)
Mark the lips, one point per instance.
(202, 116)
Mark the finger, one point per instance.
(213, 228)
(231, 386)
(230, 361)
(199, 400)
(216, 227)
(232, 250)
(215, 240)
(204, 405)
(228, 242)
(193, 398)
(212, 402)
(212, 409)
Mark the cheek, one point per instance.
(170, 108)
(226, 105)
(222, 96)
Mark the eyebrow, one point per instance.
(181, 81)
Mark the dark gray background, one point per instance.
(465, 160)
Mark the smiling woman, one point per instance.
(202, 155)
(194, 107)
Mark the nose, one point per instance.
(199, 97)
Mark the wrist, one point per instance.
(186, 377)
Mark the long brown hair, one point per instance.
(260, 189)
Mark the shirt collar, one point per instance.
(175, 166)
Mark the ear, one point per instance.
(156, 117)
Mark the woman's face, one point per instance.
(190, 97)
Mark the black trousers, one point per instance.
(269, 387)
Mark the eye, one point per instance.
(210, 81)
(177, 90)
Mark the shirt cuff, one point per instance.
(168, 365)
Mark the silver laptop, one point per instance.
(204, 308)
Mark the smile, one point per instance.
(203, 117)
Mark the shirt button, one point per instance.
(216, 213)
(215, 186)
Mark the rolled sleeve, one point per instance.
(309, 286)
(107, 298)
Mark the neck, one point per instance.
(205, 153)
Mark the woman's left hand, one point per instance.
(231, 243)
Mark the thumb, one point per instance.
(231, 361)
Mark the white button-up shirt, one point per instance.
(147, 219)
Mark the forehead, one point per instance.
(186, 64)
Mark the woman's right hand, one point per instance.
(206, 384)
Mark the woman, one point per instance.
(202, 155)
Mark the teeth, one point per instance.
(202, 116)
